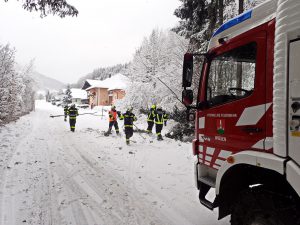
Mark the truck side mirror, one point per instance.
(187, 73)
(187, 97)
(190, 116)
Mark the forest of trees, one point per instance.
(16, 87)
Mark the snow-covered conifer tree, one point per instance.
(200, 18)
(68, 98)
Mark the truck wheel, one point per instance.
(259, 207)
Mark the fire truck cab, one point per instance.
(247, 120)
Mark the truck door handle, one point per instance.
(295, 106)
(252, 129)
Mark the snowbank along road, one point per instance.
(51, 176)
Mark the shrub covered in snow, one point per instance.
(16, 87)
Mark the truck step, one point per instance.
(204, 188)
(208, 181)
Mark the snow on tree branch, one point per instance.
(46, 7)
(159, 57)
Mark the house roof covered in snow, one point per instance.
(117, 81)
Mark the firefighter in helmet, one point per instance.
(73, 113)
(112, 117)
(150, 118)
(66, 108)
(128, 118)
(160, 119)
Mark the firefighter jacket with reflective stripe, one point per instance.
(151, 115)
(160, 117)
(73, 112)
(66, 110)
(166, 116)
(112, 115)
(128, 118)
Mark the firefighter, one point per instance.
(66, 108)
(112, 117)
(150, 119)
(160, 119)
(73, 113)
(128, 118)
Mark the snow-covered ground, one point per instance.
(49, 175)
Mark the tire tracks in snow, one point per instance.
(22, 200)
(125, 203)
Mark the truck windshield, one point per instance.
(231, 75)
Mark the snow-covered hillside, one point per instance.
(49, 175)
(46, 83)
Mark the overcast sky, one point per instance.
(105, 33)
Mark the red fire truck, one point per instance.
(247, 120)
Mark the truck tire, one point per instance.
(260, 207)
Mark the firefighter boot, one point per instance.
(107, 132)
(159, 137)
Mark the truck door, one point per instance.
(294, 100)
(233, 119)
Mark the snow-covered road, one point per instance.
(51, 176)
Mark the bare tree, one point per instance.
(46, 7)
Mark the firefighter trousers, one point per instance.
(158, 128)
(115, 124)
(150, 126)
(72, 124)
(128, 133)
